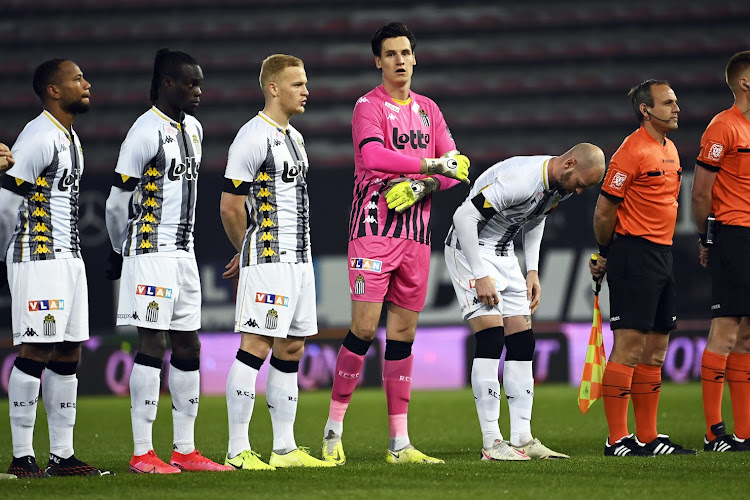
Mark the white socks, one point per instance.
(240, 403)
(281, 393)
(144, 400)
(59, 395)
(518, 379)
(486, 387)
(23, 395)
(184, 386)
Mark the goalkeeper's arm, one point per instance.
(452, 164)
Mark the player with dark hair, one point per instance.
(496, 300)
(150, 219)
(399, 137)
(634, 224)
(39, 241)
(721, 187)
(266, 180)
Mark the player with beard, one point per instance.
(40, 243)
(150, 220)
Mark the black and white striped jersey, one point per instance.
(51, 161)
(159, 160)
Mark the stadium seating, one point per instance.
(511, 78)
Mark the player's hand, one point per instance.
(533, 290)
(598, 268)
(452, 164)
(6, 158)
(486, 292)
(702, 255)
(232, 268)
(114, 266)
(405, 192)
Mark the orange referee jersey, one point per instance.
(725, 148)
(645, 177)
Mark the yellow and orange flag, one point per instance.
(596, 360)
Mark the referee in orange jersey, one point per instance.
(634, 223)
(722, 186)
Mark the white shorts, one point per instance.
(160, 292)
(510, 285)
(277, 300)
(49, 301)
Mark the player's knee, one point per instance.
(520, 346)
(37, 352)
(186, 346)
(154, 345)
(364, 332)
(66, 352)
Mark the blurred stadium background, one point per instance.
(512, 78)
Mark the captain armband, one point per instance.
(16, 185)
(125, 182)
(485, 207)
(233, 186)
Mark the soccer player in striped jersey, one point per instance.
(266, 180)
(40, 244)
(509, 197)
(150, 220)
(397, 133)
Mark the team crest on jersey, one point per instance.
(270, 298)
(359, 285)
(425, 119)
(47, 305)
(49, 326)
(152, 312)
(272, 319)
(366, 264)
(392, 107)
(618, 179)
(714, 151)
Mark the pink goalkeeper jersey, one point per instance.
(414, 128)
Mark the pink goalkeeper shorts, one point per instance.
(393, 269)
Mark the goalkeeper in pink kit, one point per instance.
(403, 152)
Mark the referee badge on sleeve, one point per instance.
(152, 312)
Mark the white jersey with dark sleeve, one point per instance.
(510, 194)
(47, 172)
(269, 164)
(159, 162)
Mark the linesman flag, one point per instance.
(596, 358)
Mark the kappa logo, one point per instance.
(30, 333)
(391, 116)
(618, 179)
(251, 323)
(154, 291)
(366, 264)
(715, 151)
(47, 305)
(270, 298)
(169, 139)
(361, 100)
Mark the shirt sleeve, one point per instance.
(443, 139)
(33, 153)
(366, 124)
(714, 144)
(623, 170)
(508, 189)
(246, 155)
(137, 150)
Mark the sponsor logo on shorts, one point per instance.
(49, 326)
(270, 298)
(614, 318)
(359, 285)
(366, 264)
(153, 291)
(272, 319)
(152, 312)
(16, 335)
(47, 305)
(715, 307)
(251, 323)
(30, 333)
(618, 179)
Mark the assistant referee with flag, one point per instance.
(634, 223)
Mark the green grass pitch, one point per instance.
(441, 423)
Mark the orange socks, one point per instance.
(738, 378)
(713, 367)
(645, 395)
(616, 384)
